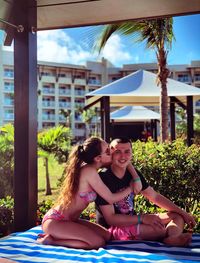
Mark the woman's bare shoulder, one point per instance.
(87, 170)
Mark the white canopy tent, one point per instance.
(134, 114)
(139, 88)
(133, 121)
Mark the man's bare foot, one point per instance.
(183, 240)
(45, 240)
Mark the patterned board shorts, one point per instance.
(125, 233)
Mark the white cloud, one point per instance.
(116, 52)
(58, 46)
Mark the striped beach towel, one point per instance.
(22, 247)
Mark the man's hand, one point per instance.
(136, 186)
(189, 219)
(152, 220)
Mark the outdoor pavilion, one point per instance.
(21, 19)
(139, 88)
(128, 119)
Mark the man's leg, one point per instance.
(174, 230)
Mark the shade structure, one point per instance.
(69, 13)
(139, 88)
(134, 114)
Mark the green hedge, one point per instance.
(172, 169)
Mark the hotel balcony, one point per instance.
(48, 104)
(80, 81)
(48, 117)
(48, 90)
(8, 102)
(63, 104)
(9, 88)
(65, 92)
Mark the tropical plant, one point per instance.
(181, 127)
(56, 141)
(87, 116)
(67, 115)
(158, 35)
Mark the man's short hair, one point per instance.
(120, 140)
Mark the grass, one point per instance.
(55, 172)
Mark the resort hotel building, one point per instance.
(63, 87)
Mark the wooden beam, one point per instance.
(105, 118)
(190, 120)
(25, 82)
(172, 118)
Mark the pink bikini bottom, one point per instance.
(53, 214)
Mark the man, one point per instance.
(167, 227)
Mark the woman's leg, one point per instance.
(100, 230)
(71, 234)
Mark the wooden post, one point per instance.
(105, 118)
(190, 120)
(172, 119)
(25, 82)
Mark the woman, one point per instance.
(61, 224)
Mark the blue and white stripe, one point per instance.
(22, 247)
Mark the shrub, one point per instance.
(6, 215)
(172, 169)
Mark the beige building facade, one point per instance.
(62, 87)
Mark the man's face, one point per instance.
(121, 154)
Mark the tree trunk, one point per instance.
(163, 74)
(48, 186)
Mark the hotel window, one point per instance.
(197, 77)
(184, 78)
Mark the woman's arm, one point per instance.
(101, 189)
(136, 182)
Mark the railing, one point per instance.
(63, 104)
(9, 116)
(64, 92)
(79, 92)
(48, 117)
(48, 90)
(8, 102)
(48, 103)
(9, 88)
(94, 82)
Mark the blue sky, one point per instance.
(72, 46)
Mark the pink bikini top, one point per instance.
(89, 196)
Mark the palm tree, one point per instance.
(67, 114)
(158, 35)
(87, 117)
(54, 141)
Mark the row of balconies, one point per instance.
(66, 80)
(67, 92)
(51, 104)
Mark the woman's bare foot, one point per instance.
(45, 240)
(183, 240)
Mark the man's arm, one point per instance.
(168, 205)
(121, 220)
(113, 219)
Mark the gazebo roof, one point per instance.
(139, 88)
(134, 114)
